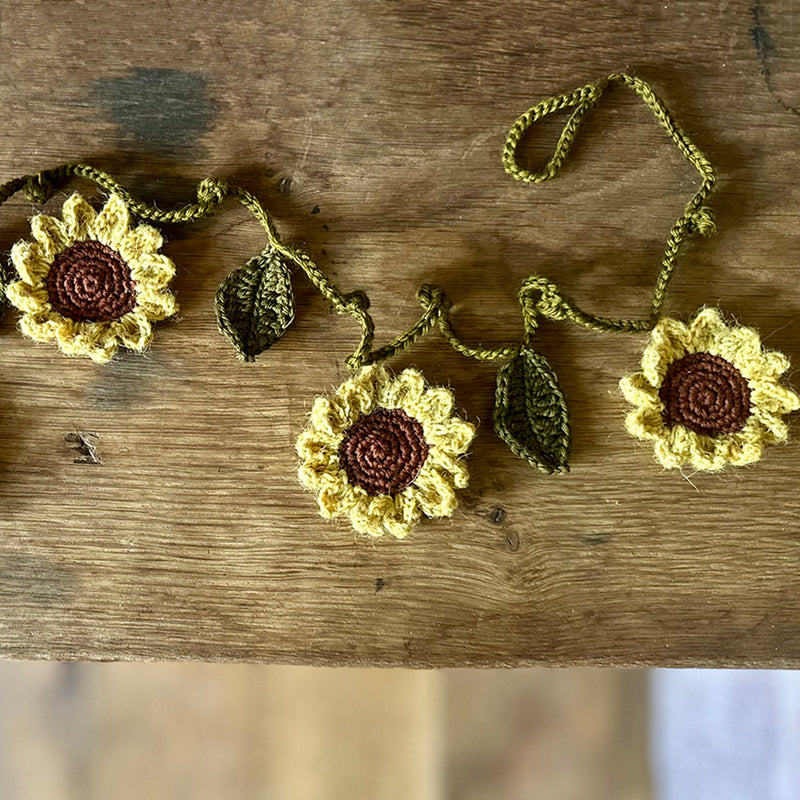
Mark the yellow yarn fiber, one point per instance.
(741, 350)
(150, 273)
(432, 491)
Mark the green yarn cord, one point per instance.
(537, 296)
(255, 309)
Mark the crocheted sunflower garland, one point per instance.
(384, 450)
(90, 281)
(708, 394)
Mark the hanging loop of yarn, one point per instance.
(697, 217)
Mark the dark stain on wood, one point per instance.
(765, 49)
(122, 381)
(33, 580)
(762, 41)
(162, 111)
(379, 584)
(597, 537)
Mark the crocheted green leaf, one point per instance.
(255, 304)
(530, 412)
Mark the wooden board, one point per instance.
(372, 131)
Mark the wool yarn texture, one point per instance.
(708, 394)
(90, 281)
(384, 450)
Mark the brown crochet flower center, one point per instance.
(384, 451)
(90, 282)
(706, 394)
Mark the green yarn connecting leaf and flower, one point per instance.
(386, 451)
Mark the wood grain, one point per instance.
(192, 539)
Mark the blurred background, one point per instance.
(247, 731)
(198, 731)
(192, 730)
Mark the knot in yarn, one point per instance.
(38, 188)
(702, 221)
(212, 191)
(549, 302)
(356, 300)
(432, 297)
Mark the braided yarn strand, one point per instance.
(697, 218)
(537, 296)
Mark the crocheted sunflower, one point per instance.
(708, 394)
(384, 450)
(90, 281)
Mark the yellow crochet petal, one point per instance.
(706, 329)
(669, 341)
(112, 223)
(328, 417)
(143, 240)
(313, 445)
(38, 328)
(405, 392)
(358, 395)
(773, 364)
(30, 262)
(28, 298)
(155, 304)
(86, 339)
(771, 428)
(134, 331)
(453, 435)
(50, 234)
(337, 497)
(152, 270)
(774, 397)
(436, 405)
(78, 217)
(448, 463)
(646, 423)
(385, 514)
(367, 515)
(740, 449)
(371, 379)
(742, 348)
(320, 469)
(637, 390)
(676, 448)
(435, 492)
(405, 514)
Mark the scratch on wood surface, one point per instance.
(86, 444)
